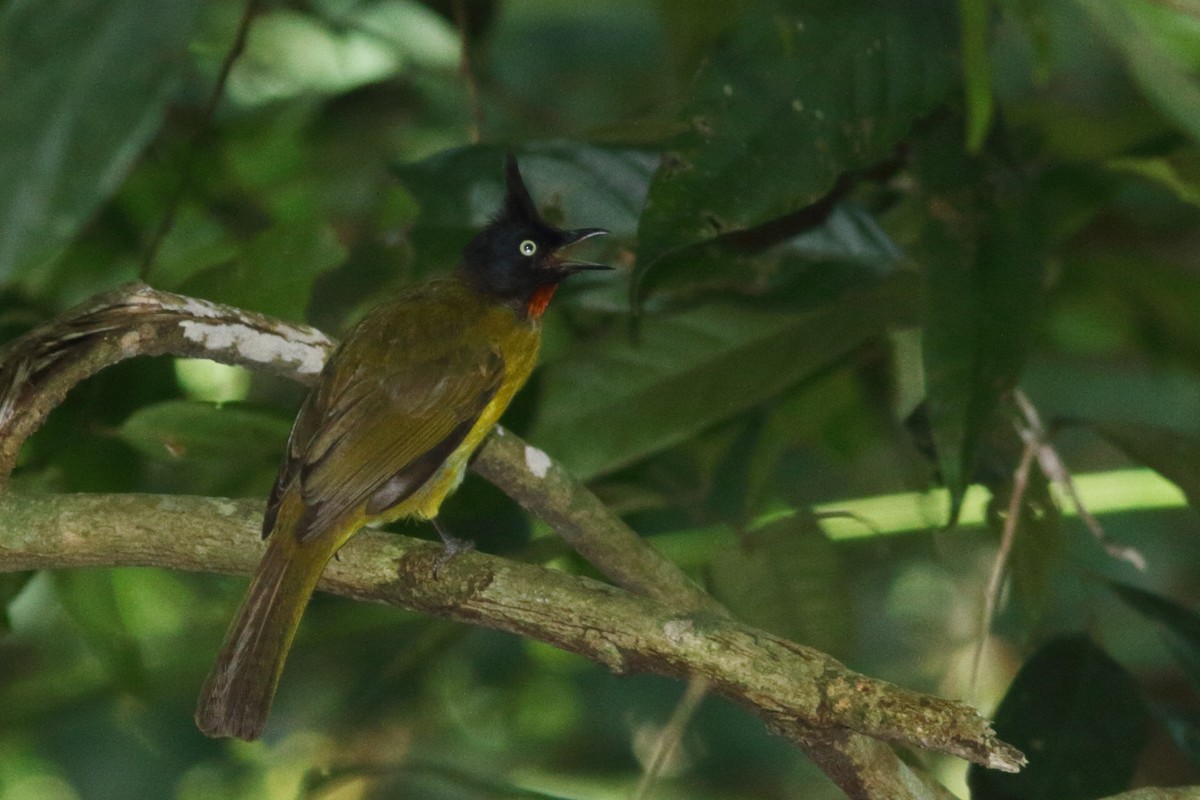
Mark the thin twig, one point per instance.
(206, 114)
(668, 739)
(992, 595)
(467, 71)
(1056, 471)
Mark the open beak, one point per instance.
(573, 238)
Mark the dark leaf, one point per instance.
(807, 92)
(848, 247)
(1077, 716)
(984, 276)
(1179, 627)
(1183, 726)
(614, 402)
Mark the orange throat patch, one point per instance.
(539, 300)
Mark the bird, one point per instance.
(387, 431)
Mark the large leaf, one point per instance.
(274, 272)
(1174, 455)
(203, 448)
(1180, 628)
(847, 248)
(90, 599)
(613, 401)
(984, 278)
(789, 101)
(82, 89)
(1077, 716)
(182, 429)
(1159, 42)
(786, 577)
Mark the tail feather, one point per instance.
(237, 695)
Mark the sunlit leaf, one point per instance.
(977, 71)
(1170, 453)
(289, 53)
(1077, 716)
(82, 89)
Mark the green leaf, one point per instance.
(11, 586)
(848, 248)
(274, 272)
(182, 429)
(82, 90)
(804, 92)
(984, 281)
(196, 242)
(977, 70)
(291, 54)
(614, 402)
(1077, 716)
(1180, 628)
(1178, 173)
(1170, 453)
(90, 599)
(786, 577)
(199, 448)
(1159, 44)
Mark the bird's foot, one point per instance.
(453, 547)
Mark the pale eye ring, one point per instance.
(528, 247)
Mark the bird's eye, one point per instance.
(528, 247)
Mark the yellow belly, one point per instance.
(519, 348)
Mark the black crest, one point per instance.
(518, 252)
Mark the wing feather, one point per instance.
(368, 438)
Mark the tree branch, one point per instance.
(801, 693)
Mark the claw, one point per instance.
(453, 547)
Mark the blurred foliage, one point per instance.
(845, 232)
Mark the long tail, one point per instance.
(237, 695)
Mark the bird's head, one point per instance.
(518, 257)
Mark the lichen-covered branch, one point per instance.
(802, 693)
(799, 691)
(38, 369)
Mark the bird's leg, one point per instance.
(453, 546)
